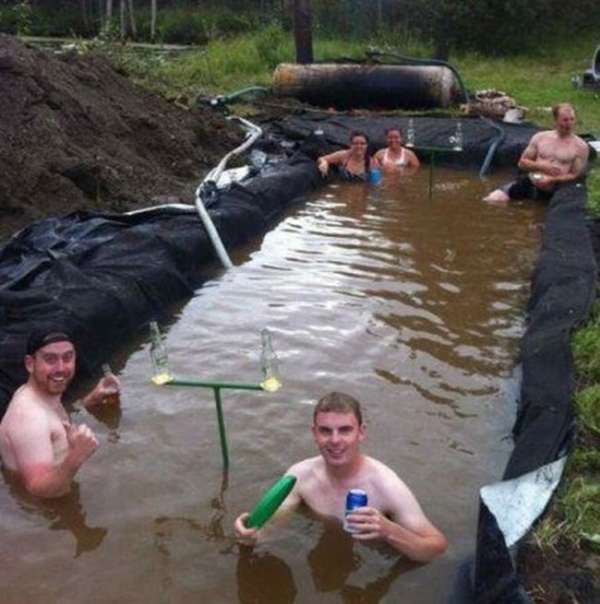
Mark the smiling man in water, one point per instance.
(552, 157)
(38, 443)
(392, 515)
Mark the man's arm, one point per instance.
(32, 448)
(250, 536)
(531, 162)
(105, 387)
(408, 530)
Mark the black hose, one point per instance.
(485, 166)
(414, 61)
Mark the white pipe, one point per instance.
(180, 207)
(253, 132)
(213, 177)
(212, 232)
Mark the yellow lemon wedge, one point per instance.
(271, 384)
(162, 378)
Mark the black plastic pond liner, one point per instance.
(103, 276)
(563, 291)
(478, 135)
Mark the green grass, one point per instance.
(593, 184)
(575, 512)
(227, 65)
(587, 403)
(586, 348)
(541, 80)
(580, 504)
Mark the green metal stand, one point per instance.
(432, 151)
(216, 387)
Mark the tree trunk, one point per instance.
(153, 21)
(132, 19)
(303, 31)
(109, 10)
(123, 24)
(441, 50)
(84, 14)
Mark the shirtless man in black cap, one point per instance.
(38, 443)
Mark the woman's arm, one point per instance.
(332, 159)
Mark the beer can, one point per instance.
(356, 498)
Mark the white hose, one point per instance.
(212, 178)
(253, 132)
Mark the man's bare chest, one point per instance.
(562, 152)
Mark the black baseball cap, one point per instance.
(43, 336)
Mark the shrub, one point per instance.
(23, 14)
(497, 28)
(182, 27)
(8, 21)
(227, 23)
(268, 44)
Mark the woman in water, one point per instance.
(395, 157)
(353, 163)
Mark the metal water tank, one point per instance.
(353, 85)
(591, 77)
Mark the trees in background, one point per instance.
(487, 26)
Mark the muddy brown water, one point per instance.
(413, 305)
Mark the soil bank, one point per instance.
(76, 134)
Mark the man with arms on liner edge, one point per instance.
(38, 443)
(392, 514)
(551, 158)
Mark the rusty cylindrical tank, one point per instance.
(346, 86)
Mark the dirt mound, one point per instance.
(75, 134)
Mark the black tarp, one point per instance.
(563, 290)
(103, 276)
(478, 135)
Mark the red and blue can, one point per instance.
(356, 498)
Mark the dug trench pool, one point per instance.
(413, 305)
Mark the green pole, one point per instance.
(216, 387)
(431, 174)
(193, 383)
(222, 434)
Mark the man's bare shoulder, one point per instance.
(582, 146)
(543, 136)
(306, 468)
(379, 471)
(23, 408)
